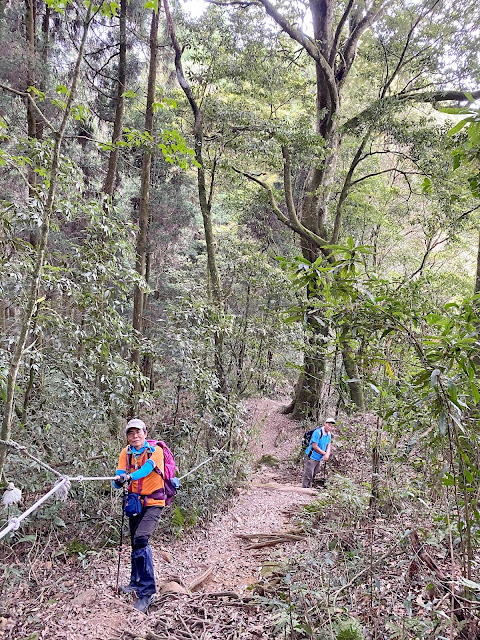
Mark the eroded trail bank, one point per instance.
(86, 606)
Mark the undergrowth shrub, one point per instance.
(350, 629)
(342, 498)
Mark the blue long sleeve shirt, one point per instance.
(144, 470)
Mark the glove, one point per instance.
(122, 478)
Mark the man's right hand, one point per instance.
(122, 478)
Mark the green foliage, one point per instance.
(343, 495)
(350, 629)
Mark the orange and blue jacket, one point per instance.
(145, 466)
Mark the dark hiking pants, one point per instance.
(141, 528)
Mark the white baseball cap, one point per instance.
(135, 423)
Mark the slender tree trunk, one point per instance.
(477, 275)
(31, 304)
(109, 183)
(243, 338)
(30, 41)
(35, 77)
(33, 134)
(35, 127)
(205, 200)
(143, 215)
(374, 498)
(354, 383)
(3, 317)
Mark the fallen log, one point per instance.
(269, 536)
(269, 543)
(282, 487)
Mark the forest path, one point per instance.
(252, 510)
(90, 609)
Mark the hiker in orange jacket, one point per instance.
(140, 466)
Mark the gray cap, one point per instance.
(135, 423)
(330, 420)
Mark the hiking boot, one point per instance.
(142, 604)
(127, 588)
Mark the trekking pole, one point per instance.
(124, 497)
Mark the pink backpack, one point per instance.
(171, 482)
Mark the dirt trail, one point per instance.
(92, 611)
(254, 510)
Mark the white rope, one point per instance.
(62, 485)
(14, 445)
(201, 464)
(14, 523)
(85, 479)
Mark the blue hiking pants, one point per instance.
(141, 528)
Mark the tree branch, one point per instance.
(310, 47)
(405, 49)
(295, 224)
(404, 98)
(379, 173)
(346, 188)
(338, 31)
(351, 45)
(27, 94)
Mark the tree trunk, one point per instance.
(477, 275)
(205, 200)
(109, 183)
(3, 317)
(30, 41)
(143, 215)
(309, 386)
(374, 498)
(31, 304)
(354, 383)
(333, 53)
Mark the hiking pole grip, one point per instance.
(124, 498)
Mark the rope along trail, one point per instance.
(63, 484)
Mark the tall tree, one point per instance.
(205, 195)
(109, 182)
(316, 215)
(32, 299)
(143, 213)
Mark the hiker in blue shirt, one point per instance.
(317, 450)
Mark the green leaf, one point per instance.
(427, 185)
(152, 4)
(28, 538)
(442, 424)
(58, 522)
(448, 480)
(459, 126)
(475, 392)
(474, 133)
